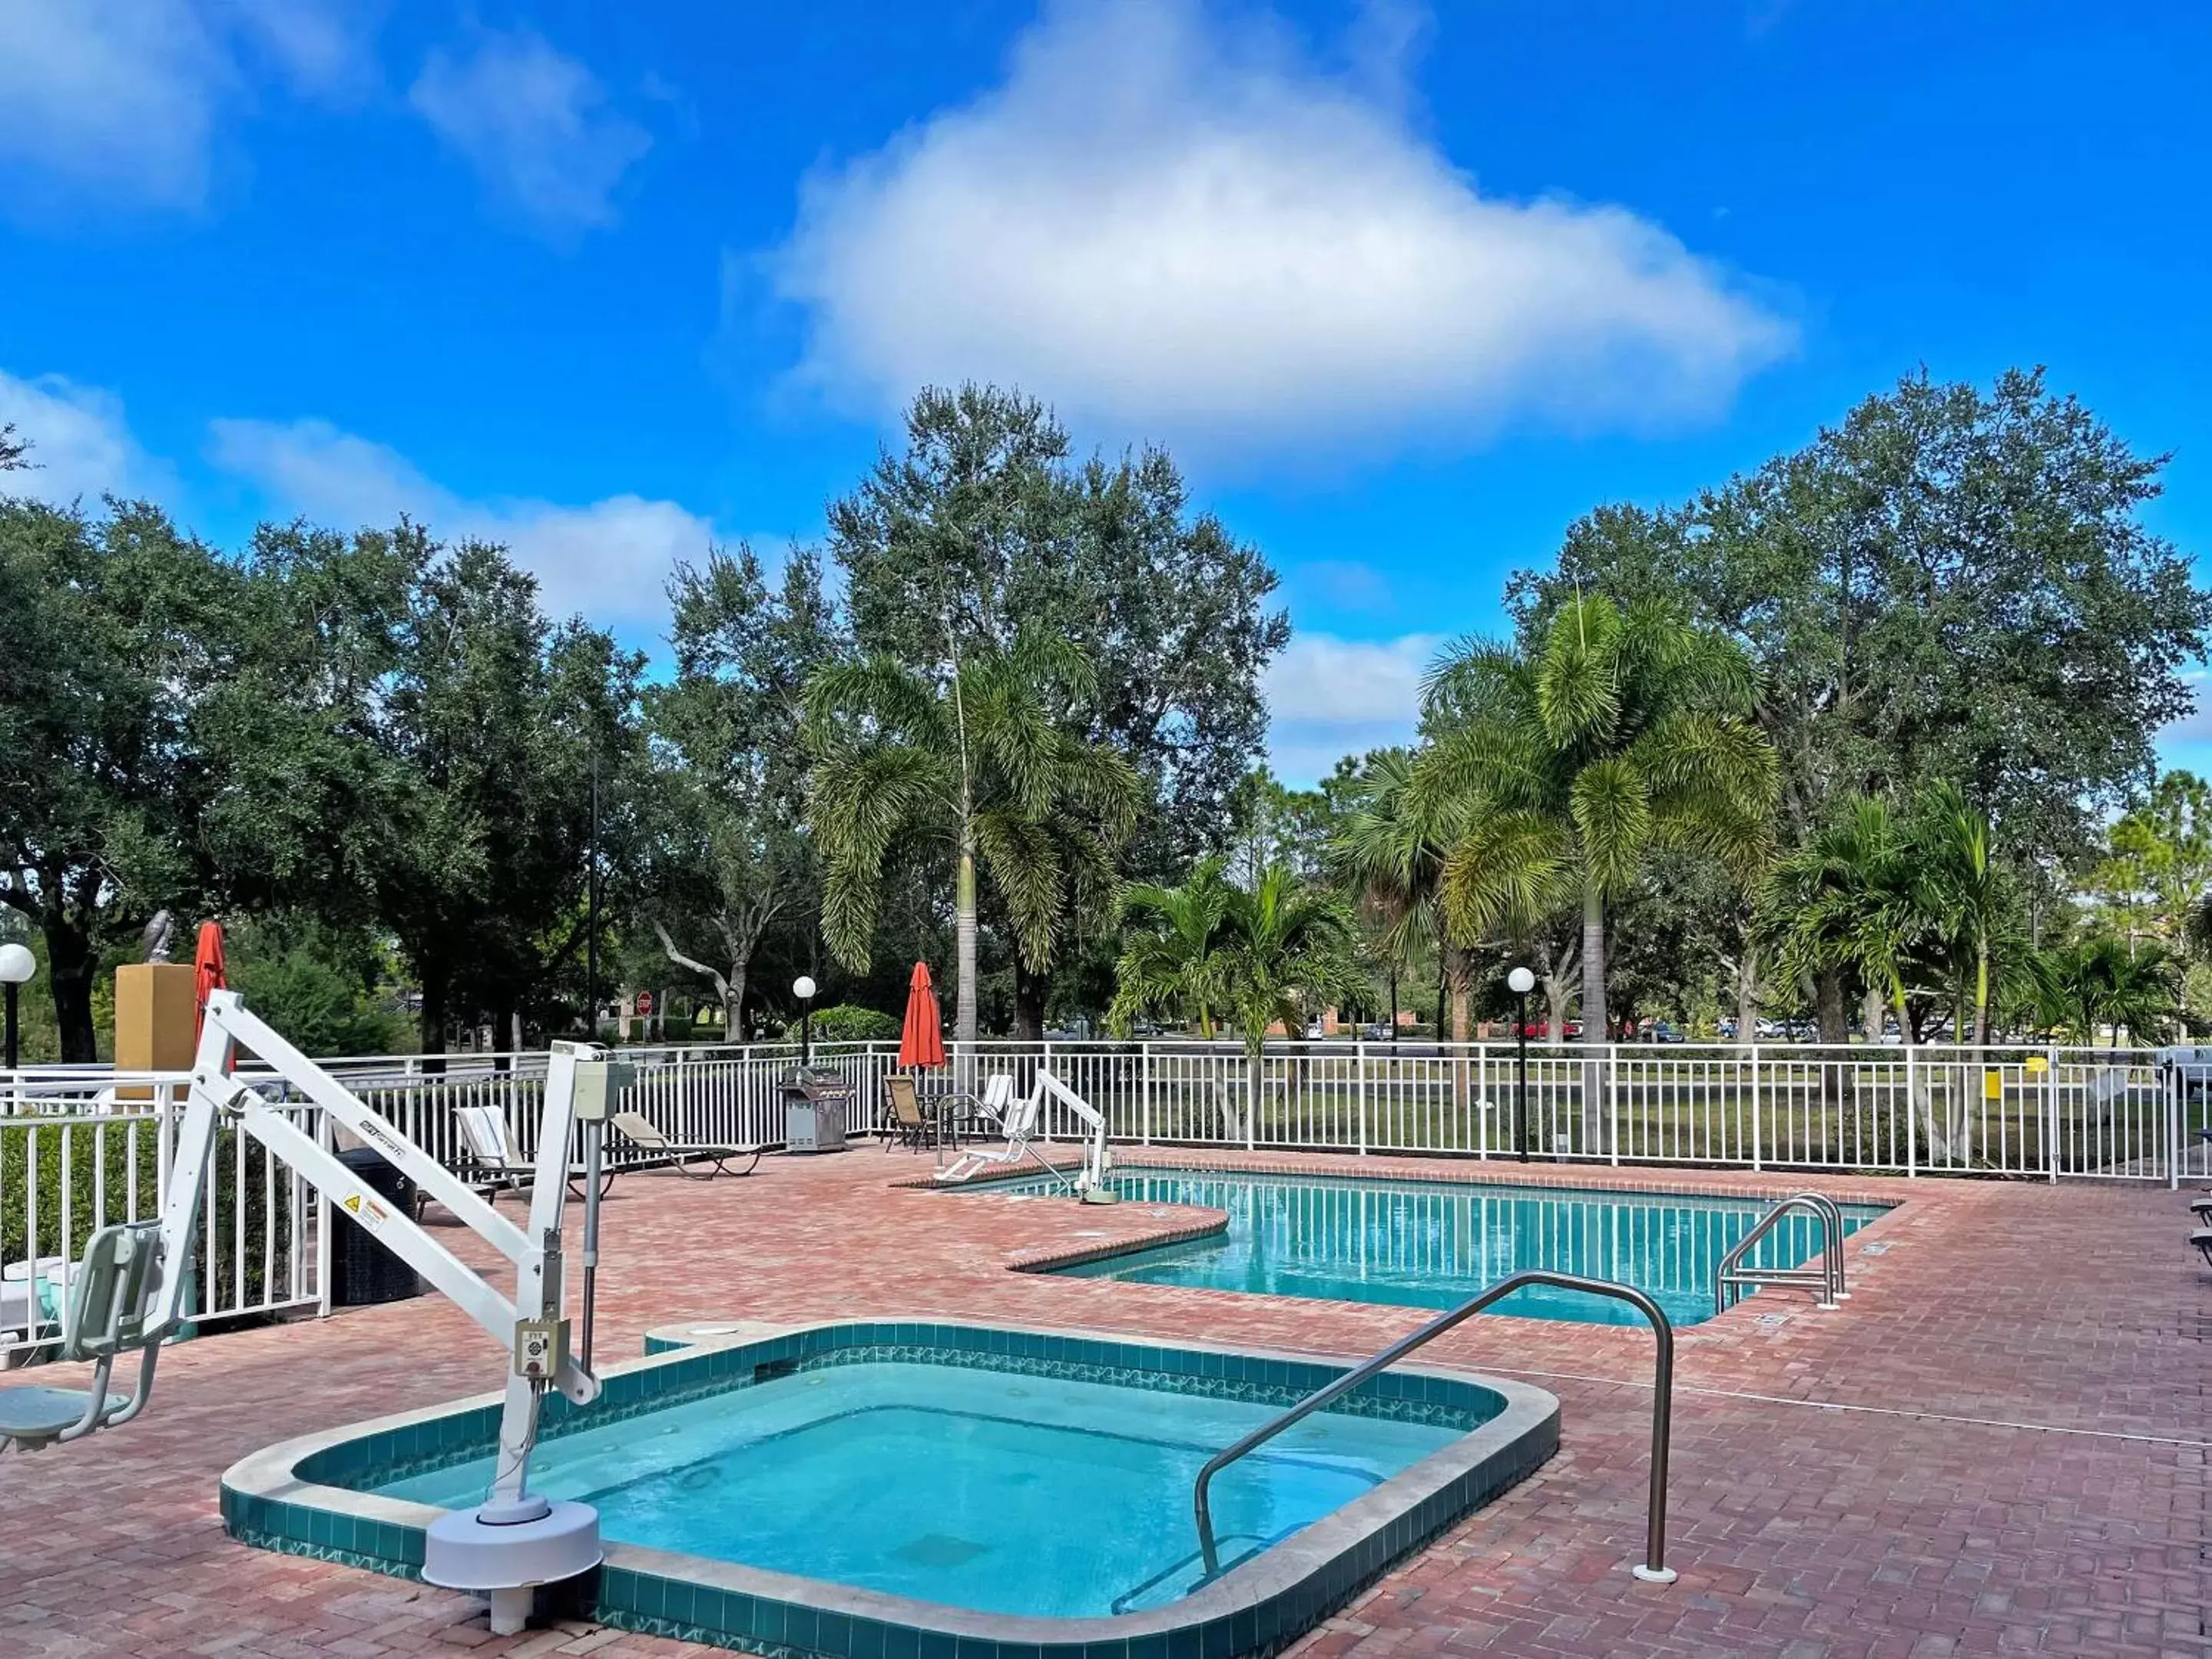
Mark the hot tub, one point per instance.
(920, 1490)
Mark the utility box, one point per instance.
(816, 1106)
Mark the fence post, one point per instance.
(2176, 1092)
(1145, 1093)
(1359, 1088)
(328, 1142)
(1612, 1102)
(1911, 1120)
(1755, 1112)
(1255, 1090)
(1483, 1111)
(2050, 1111)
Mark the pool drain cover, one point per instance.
(938, 1549)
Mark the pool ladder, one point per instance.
(1654, 1569)
(1731, 1279)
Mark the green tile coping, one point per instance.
(293, 1496)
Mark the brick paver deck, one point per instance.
(1998, 1446)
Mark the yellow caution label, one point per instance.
(364, 1209)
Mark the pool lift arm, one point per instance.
(516, 1540)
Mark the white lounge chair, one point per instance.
(491, 1164)
(680, 1155)
(1019, 1119)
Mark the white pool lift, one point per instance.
(1022, 1119)
(127, 1295)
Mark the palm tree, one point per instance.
(981, 757)
(1563, 760)
(1174, 950)
(1389, 852)
(2102, 982)
(1968, 895)
(1253, 958)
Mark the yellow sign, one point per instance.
(364, 1209)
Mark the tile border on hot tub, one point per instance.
(284, 1498)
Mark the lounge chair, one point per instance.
(907, 1123)
(2201, 1238)
(680, 1155)
(491, 1165)
(988, 1113)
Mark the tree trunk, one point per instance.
(1747, 993)
(1873, 1012)
(70, 964)
(734, 1005)
(1981, 996)
(964, 913)
(1032, 992)
(434, 1009)
(1828, 1006)
(1459, 974)
(1594, 1020)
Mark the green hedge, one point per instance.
(99, 1173)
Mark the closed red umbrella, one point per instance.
(208, 975)
(921, 1041)
(207, 970)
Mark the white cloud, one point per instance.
(536, 126)
(1329, 697)
(123, 96)
(607, 559)
(1184, 232)
(80, 446)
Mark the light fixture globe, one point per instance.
(17, 964)
(1521, 981)
(803, 988)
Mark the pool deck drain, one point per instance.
(1923, 1521)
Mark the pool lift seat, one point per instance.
(129, 1293)
(110, 1312)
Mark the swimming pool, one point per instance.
(1435, 1243)
(881, 1491)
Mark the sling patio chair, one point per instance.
(682, 1155)
(906, 1123)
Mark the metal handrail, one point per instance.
(1654, 1569)
(1828, 1277)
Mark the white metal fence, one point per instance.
(80, 1147)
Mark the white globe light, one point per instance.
(17, 964)
(803, 988)
(1522, 981)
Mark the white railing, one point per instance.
(2043, 1111)
(80, 1147)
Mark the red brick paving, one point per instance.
(1799, 1531)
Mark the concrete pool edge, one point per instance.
(271, 1499)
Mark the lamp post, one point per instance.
(803, 988)
(1521, 981)
(17, 964)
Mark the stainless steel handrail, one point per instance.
(1828, 1277)
(1654, 1569)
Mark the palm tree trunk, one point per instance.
(964, 913)
(1459, 969)
(1593, 1019)
(1981, 996)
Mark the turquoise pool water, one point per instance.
(991, 1490)
(1432, 1245)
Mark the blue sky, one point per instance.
(1406, 289)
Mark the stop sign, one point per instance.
(645, 1002)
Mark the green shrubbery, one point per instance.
(99, 1181)
(847, 1024)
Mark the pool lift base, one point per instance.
(504, 1551)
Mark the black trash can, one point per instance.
(362, 1272)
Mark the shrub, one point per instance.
(847, 1024)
